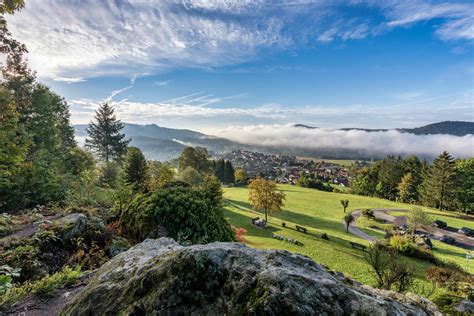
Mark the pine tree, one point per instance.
(229, 172)
(465, 185)
(105, 140)
(438, 186)
(135, 169)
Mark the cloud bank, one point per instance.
(73, 40)
(372, 143)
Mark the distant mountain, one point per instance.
(161, 143)
(457, 128)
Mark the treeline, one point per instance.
(38, 154)
(446, 184)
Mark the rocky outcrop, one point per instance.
(160, 277)
(70, 226)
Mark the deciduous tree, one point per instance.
(265, 196)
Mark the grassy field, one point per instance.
(321, 212)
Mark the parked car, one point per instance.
(466, 231)
(448, 240)
(440, 224)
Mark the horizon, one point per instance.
(213, 65)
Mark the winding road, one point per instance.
(436, 233)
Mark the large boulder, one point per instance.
(160, 277)
(70, 226)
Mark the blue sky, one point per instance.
(207, 65)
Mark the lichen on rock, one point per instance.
(162, 277)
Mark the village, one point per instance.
(289, 169)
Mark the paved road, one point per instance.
(433, 232)
(353, 229)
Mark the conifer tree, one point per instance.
(135, 169)
(105, 139)
(439, 183)
(229, 172)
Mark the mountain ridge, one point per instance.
(456, 128)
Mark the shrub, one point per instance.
(5, 225)
(283, 224)
(401, 243)
(388, 269)
(325, 236)
(239, 233)
(368, 213)
(405, 245)
(185, 213)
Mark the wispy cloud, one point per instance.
(69, 79)
(71, 39)
(198, 107)
(162, 83)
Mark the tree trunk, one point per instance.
(266, 219)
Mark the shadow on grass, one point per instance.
(341, 245)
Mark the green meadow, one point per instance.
(321, 212)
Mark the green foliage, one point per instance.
(7, 274)
(240, 175)
(465, 185)
(5, 225)
(80, 161)
(439, 183)
(389, 270)
(186, 214)
(109, 175)
(105, 139)
(312, 183)
(345, 204)
(159, 174)
(44, 287)
(348, 219)
(190, 176)
(408, 189)
(368, 213)
(135, 169)
(264, 195)
(196, 158)
(417, 218)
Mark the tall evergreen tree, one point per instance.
(229, 172)
(135, 169)
(438, 187)
(105, 139)
(465, 185)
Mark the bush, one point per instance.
(368, 213)
(405, 245)
(325, 236)
(239, 233)
(5, 225)
(389, 270)
(184, 213)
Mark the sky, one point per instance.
(216, 65)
